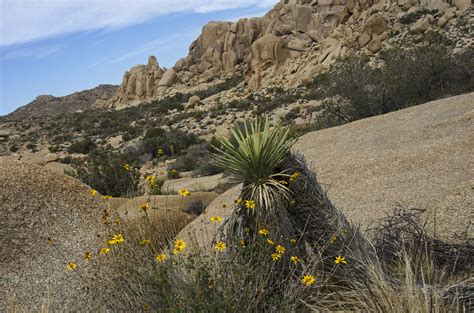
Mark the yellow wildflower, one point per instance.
(250, 204)
(263, 232)
(293, 241)
(126, 167)
(93, 192)
(88, 255)
(104, 251)
(308, 280)
(150, 178)
(295, 259)
(107, 197)
(216, 219)
(160, 258)
(116, 239)
(294, 177)
(145, 206)
(220, 246)
(238, 201)
(184, 192)
(276, 256)
(270, 242)
(283, 182)
(71, 266)
(145, 242)
(179, 246)
(340, 260)
(280, 249)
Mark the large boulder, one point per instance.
(420, 157)
(201, 232)
(37, 204)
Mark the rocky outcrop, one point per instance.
(294, 40)
(37, 204)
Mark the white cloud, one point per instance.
(28, 20)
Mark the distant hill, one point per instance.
(48, 105)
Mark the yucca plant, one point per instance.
(254, 154)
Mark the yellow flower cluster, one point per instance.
(220, 246)
(295, 259)
(179, 246)
(250, 204)
(71, 266)
(104, 251)
(151, 179)
(116, 239)
(145, 242)
(145, 206)
(308, 280)
(126, 167)
(263, 232)
(294, 177)
(93, 192)
(184, 192)
(340, 260)
(216, 219)
(161, 258)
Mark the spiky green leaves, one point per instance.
(254, 158)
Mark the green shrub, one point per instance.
(172, 174)
(83, 146)
(405, 78)
(105, 172)
(173, 142)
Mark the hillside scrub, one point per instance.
(399, 78)
(107, 172)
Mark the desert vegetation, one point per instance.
(425, 69)
(284, 248)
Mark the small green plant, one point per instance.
(109, 173)
(84, 146)
(254, 160)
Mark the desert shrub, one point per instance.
(196, 159)
(195, 208)
(228, 84)
(106, 172)
(414, 16)
(53, 149)
(172, 174)
(405, 77)
(241, 104)
(83, 146)
(173, 142)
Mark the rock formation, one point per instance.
(311, 33)
(37, 204)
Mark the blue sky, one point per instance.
(61, 46)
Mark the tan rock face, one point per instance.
(258, 47)
(369, 170)
(37, 204)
